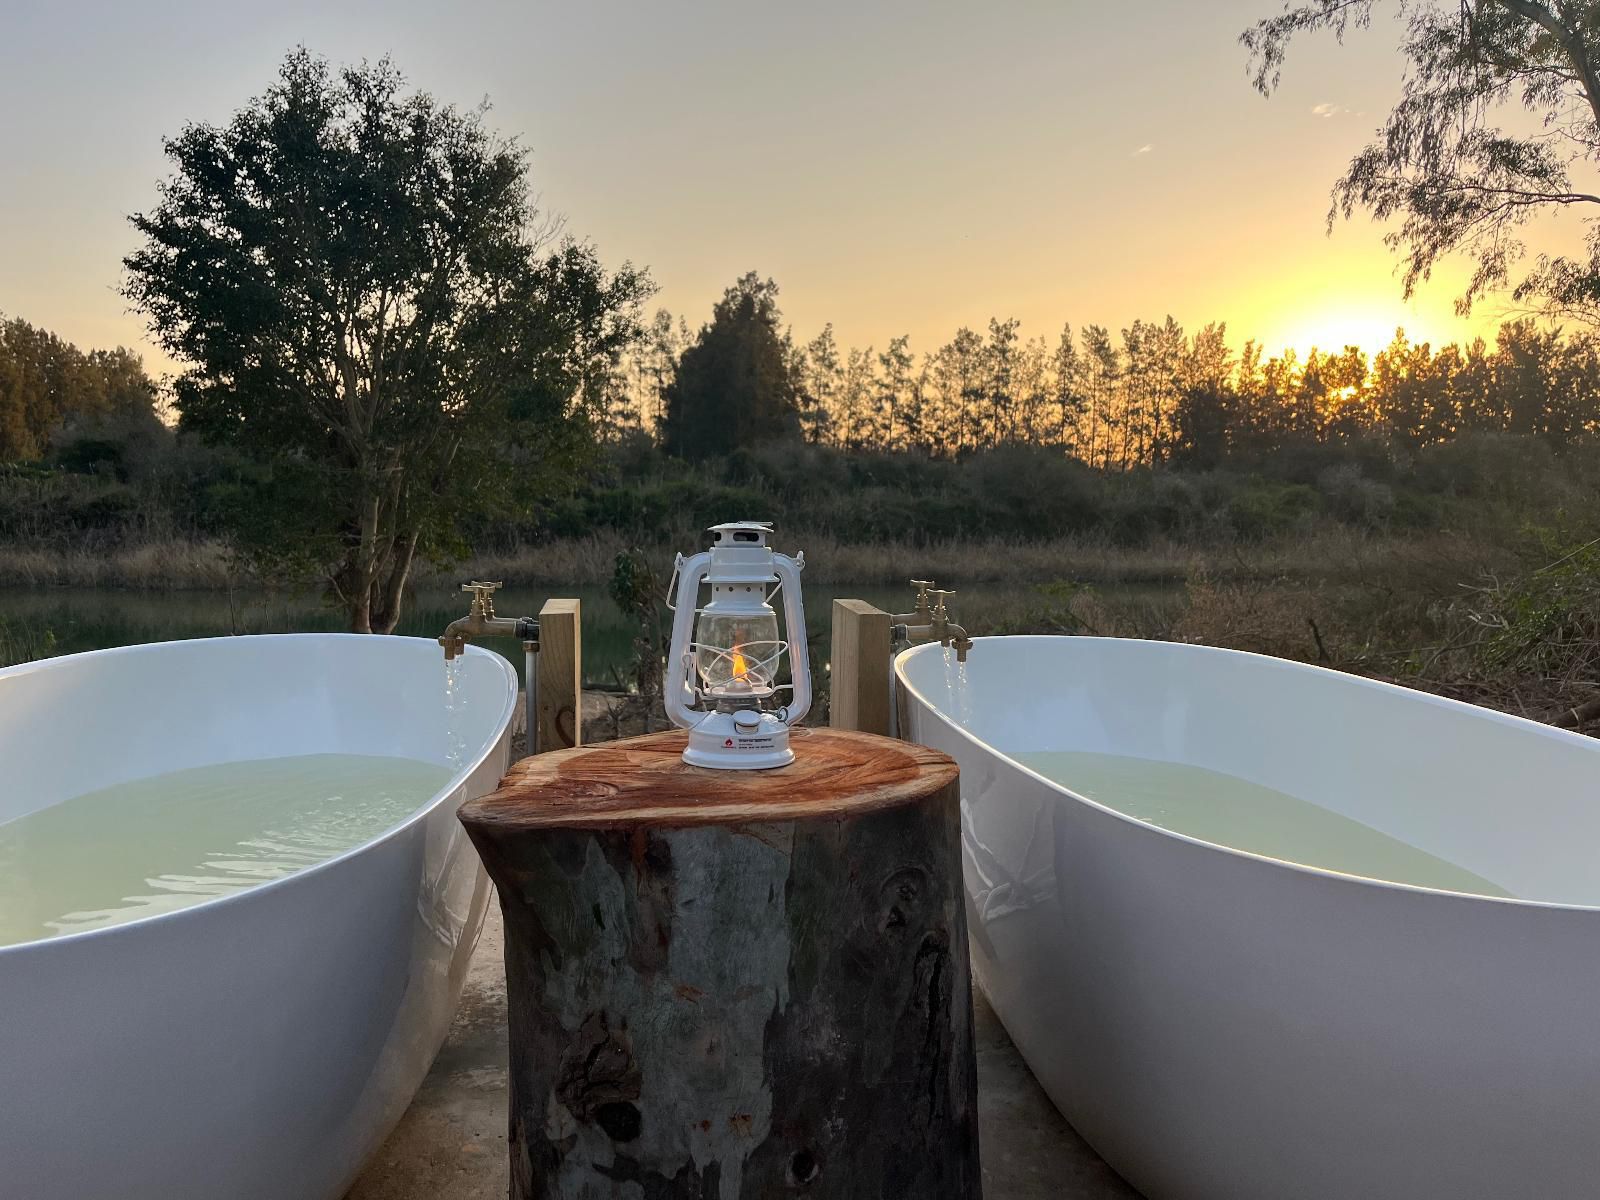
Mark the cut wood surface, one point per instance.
(735, 985)
(644, 781)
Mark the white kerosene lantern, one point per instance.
(722, 685)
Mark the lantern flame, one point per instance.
(740, 667)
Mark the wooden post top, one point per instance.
(643, 781)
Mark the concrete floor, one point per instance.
(451, 1143)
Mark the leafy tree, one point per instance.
(663, 344)
(1206, 407)
(355, 278)
(996, 421)
(1033, 425)
(857, 391)
(1346, 413)
(1523, 375)
(895, 418)
(736, 385)
(50, 392)
(1102, 373)
(1070, 401)
(1444, 164)
(820, 372)
(1202, 420)
(969, 371)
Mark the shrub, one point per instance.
(1355, 499)
(1264, 509)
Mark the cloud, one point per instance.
(1144, 149)
(1326, 109)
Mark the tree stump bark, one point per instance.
(735, 985)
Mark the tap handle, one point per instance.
(939, 595)
(482, 595)
(922, 585)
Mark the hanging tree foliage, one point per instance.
(369, 307)
(1445, 165)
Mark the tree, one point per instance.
(997, 422)
(821, 373)
(1205, 408)
(895, 419)
(1102, 370)
(369, 307)
(736, 385)
(1456, 179)
(858, 387)
(1070, 401)
(51, 390)
(967, 358)
(1033, 425)
(1522, 376)
(662, 347)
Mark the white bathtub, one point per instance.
(1223, 1026)
(259, 1045)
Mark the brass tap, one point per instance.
(923, 612)
(480, 621)
(932, 624)
(946, 631)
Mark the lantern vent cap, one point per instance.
(740, 553)
(761, 528)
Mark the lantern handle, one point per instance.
(794, 617)
(679, 697)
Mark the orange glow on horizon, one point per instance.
(1356, 301)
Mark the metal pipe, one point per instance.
(530, 694)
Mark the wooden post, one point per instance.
(859, 676)
(735, 984)
(560, 700)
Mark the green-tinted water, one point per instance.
(170, 841)
(1232, 812)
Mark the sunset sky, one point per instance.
(896, 167)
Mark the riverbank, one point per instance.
(1496, 619)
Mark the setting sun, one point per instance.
(1357, 303)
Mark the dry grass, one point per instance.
(155, 566)
(1409, 609)
(1332, 554)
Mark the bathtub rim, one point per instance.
(1523, 723)
(421, 813)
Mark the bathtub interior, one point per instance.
(88, 721)
(1510, 800)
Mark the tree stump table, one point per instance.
(735, 984)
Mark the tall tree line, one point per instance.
(1147, 395)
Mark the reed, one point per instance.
(1330, 553)
(163, 565)
(177, 564)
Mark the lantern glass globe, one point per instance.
(735, 652)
